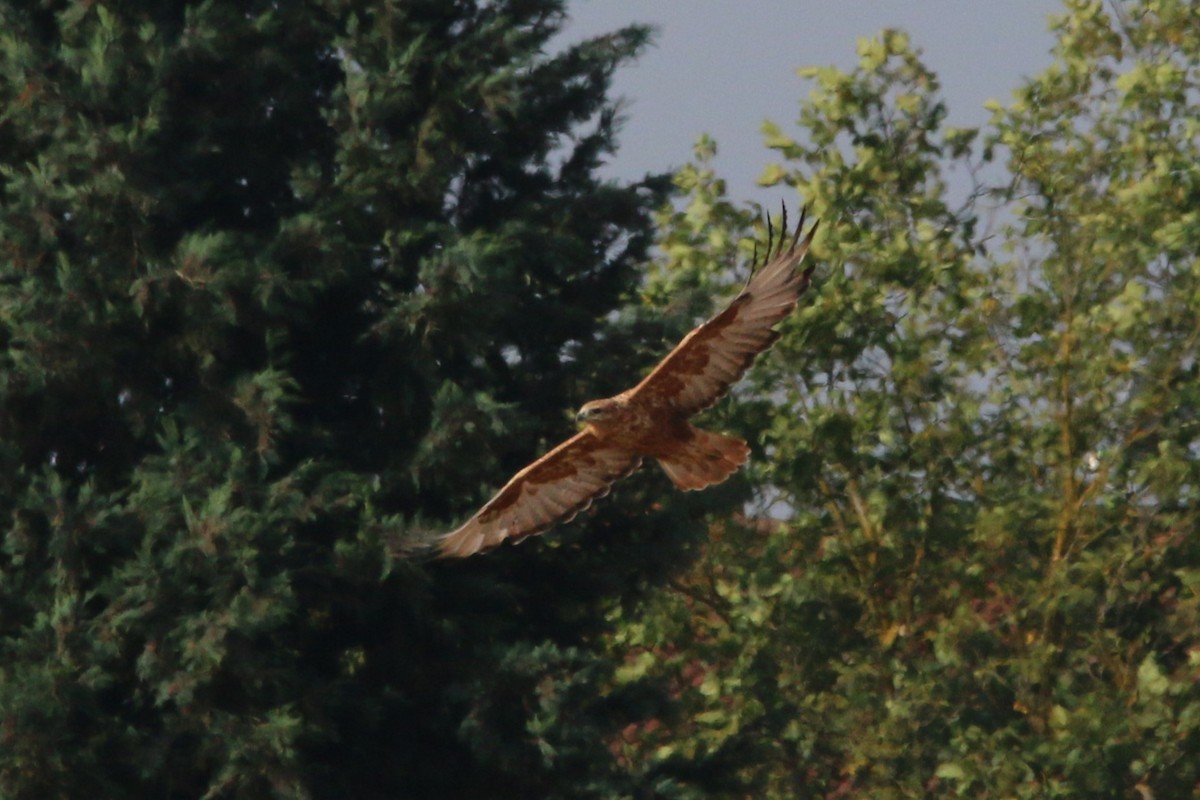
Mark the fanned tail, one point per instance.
(706, 458)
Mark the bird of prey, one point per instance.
(651, 419)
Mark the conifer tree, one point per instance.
(280, 285)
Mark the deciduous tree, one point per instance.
(979, 444)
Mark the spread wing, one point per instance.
(552, 489)
(711, 358)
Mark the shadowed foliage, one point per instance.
(281, 283)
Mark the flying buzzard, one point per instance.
(651, 419)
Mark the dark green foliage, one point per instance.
(282, 284)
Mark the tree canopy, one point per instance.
(282, 283)
(980, 444)
(286, 287)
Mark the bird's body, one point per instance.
(691, 457)
(651, 420)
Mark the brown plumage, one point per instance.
(651, 419)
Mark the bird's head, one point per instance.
(597, 411)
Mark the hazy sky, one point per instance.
(722, 67)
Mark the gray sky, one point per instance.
(722, 67)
